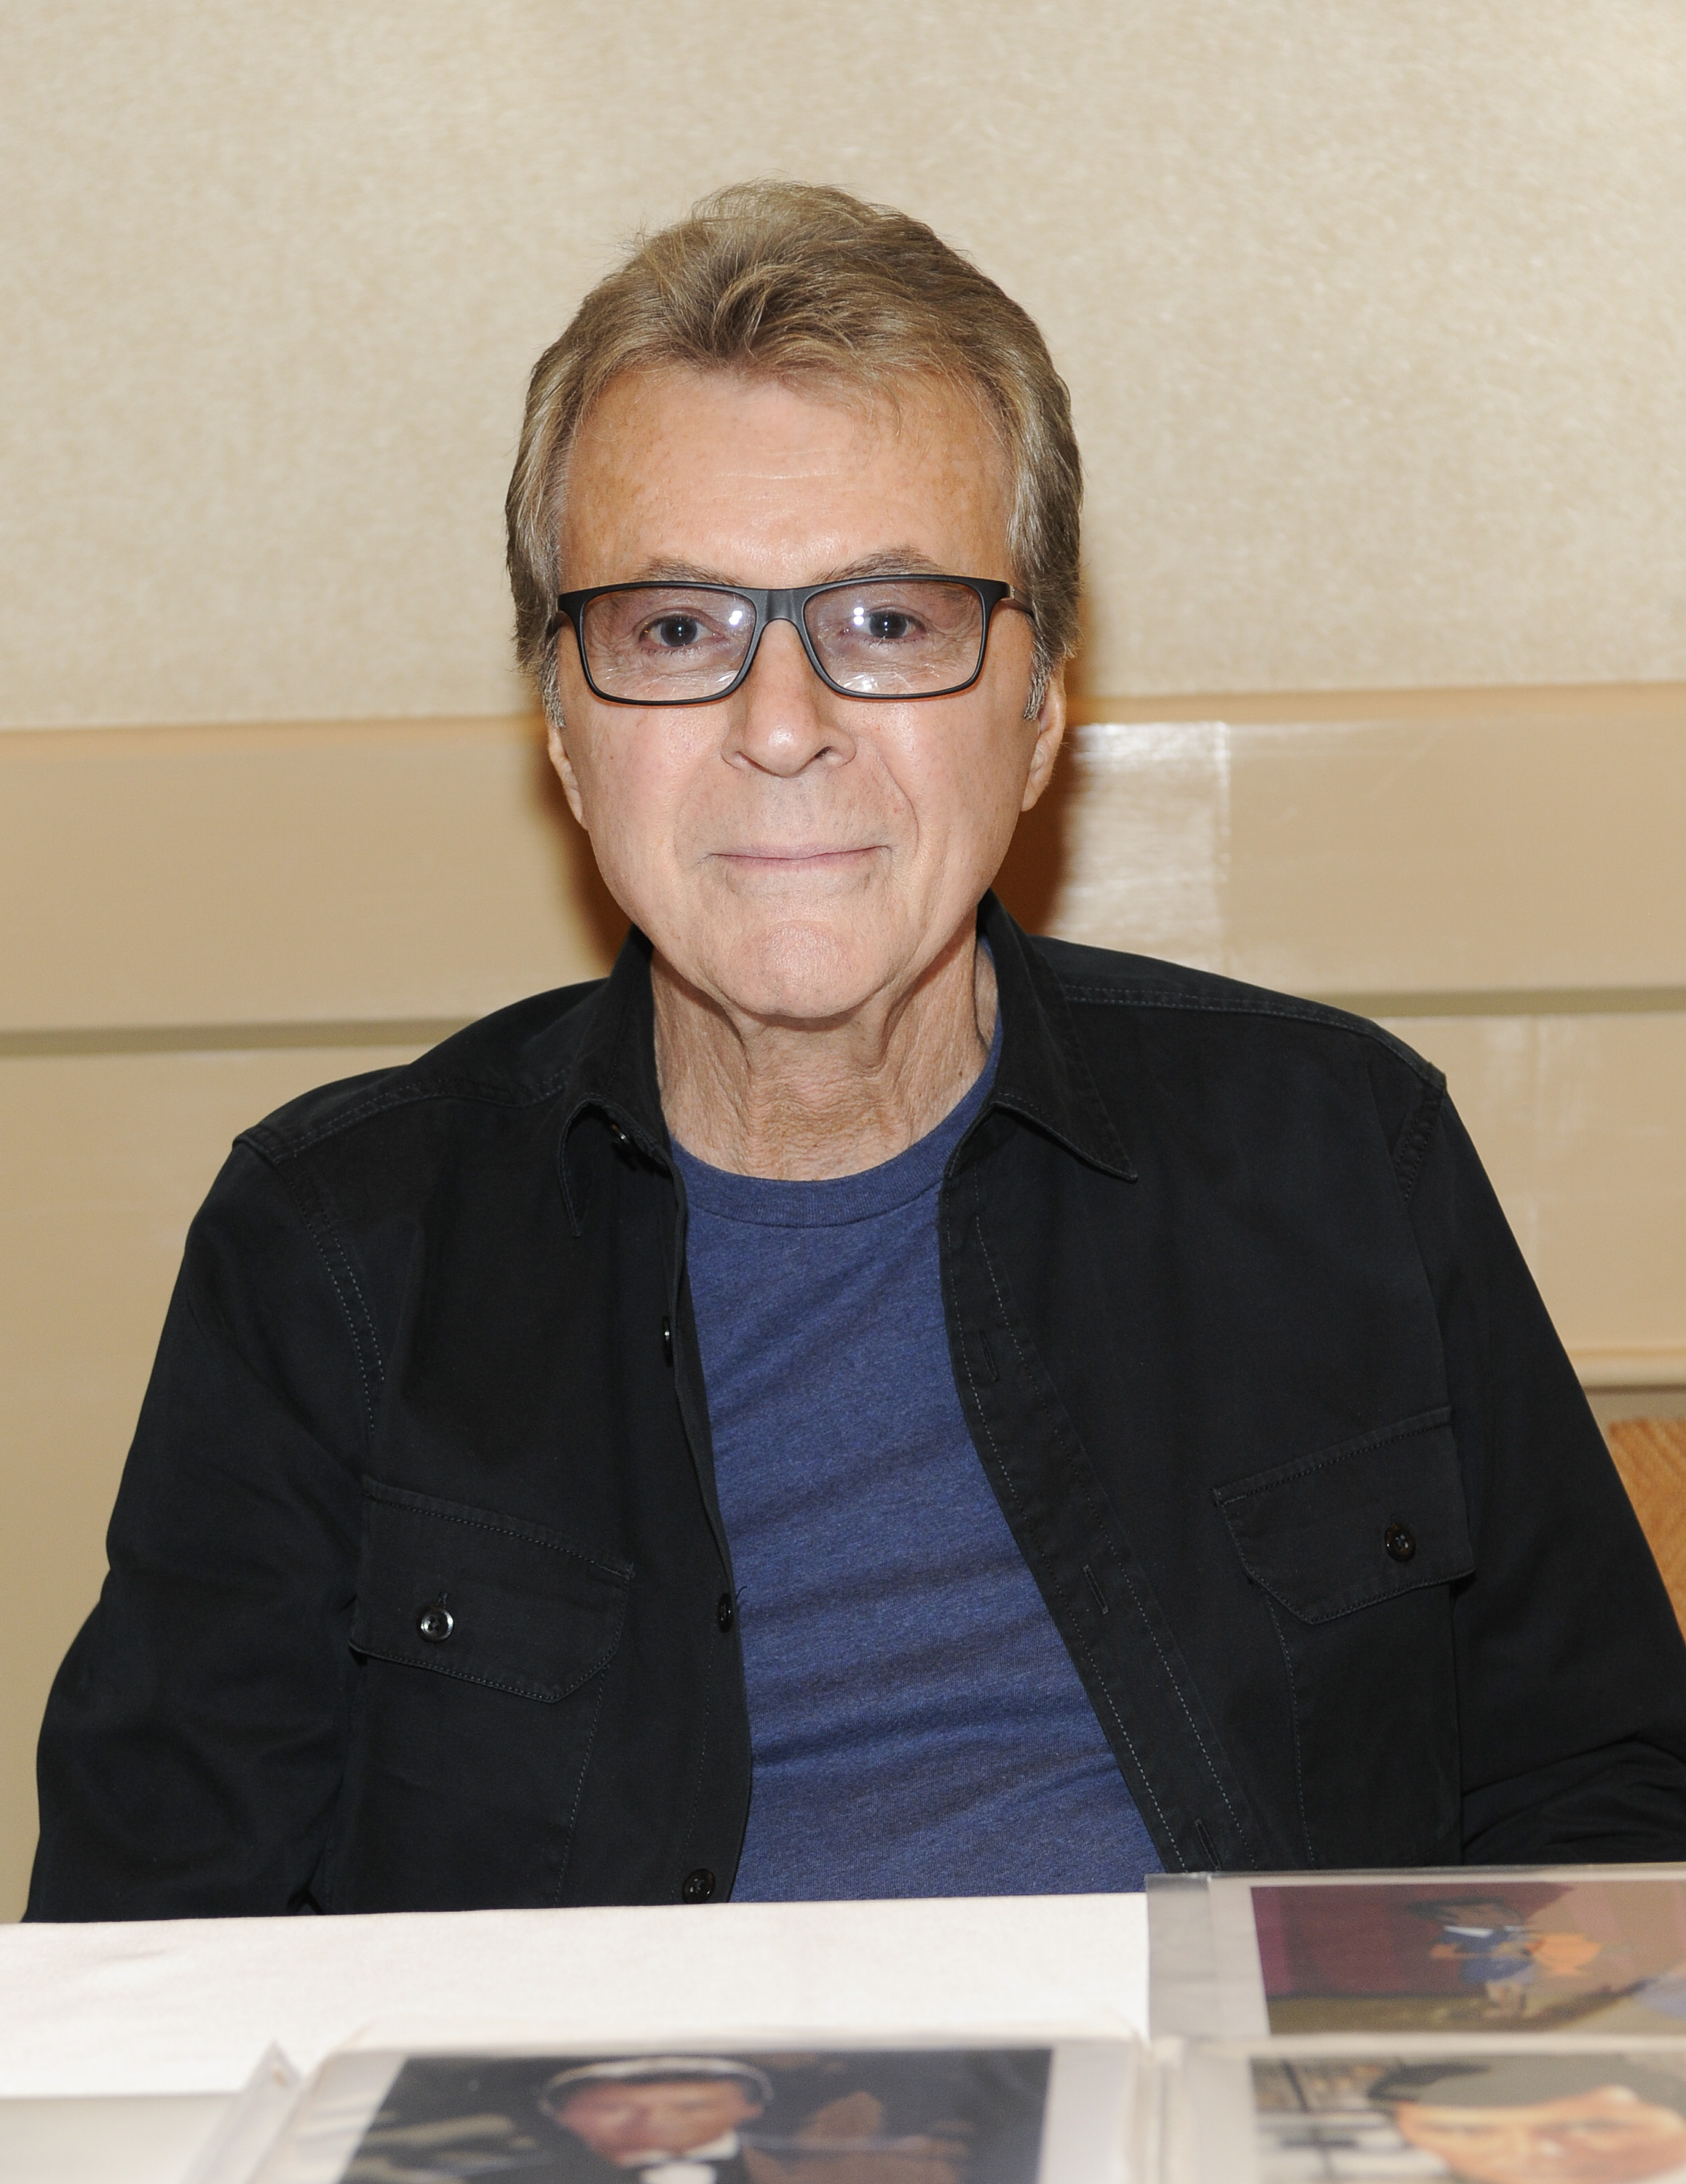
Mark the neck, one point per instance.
(802, 1103)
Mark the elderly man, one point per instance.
(861, 1402)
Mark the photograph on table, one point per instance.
(936, 2116)
(1472, 2117)
(1468, 1951)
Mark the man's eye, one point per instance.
(889, 628)
(675, 632)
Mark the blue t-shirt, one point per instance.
(917, 1726)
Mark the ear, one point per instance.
(1050, 734)
(564, 772)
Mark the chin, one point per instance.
(816, 969)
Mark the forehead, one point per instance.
(765, 481)
(643, 2088)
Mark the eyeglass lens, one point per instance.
(908, 636)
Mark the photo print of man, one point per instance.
(1541, 2118)
(664, 2119)
(944, 2116)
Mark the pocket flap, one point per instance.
(490, 1599)
(1356, 1523)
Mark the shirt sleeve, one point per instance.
(1571, 1670)
(194, 1740)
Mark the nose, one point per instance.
(783, 717)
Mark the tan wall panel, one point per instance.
(421, 869)
(1466, 854)
(1580, 1121)
(428, 870)
(102, 1161)
(1372, 317)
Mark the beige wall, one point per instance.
(1372, 312)
(1373, 318)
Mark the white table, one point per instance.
(168, 2020)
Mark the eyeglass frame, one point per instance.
(787, 605)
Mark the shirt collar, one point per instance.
(718, 2149)
(1043, 1075)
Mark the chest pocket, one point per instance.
(1356, 1549)
(1356, 1524)
(487, 1599)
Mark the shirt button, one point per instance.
(436, 1623)
(1398, 1541)
(725, 1614)
(699, 1886)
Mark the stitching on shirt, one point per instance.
(1048, 1562)
(1147, 997)
(377, 1490)
(1412, 1148)
(356, 1342)
(1293, 1717)
(307, 1196)
(279, 1145)
(1098, 1521)
(579, 1793)
(1130, 1746)
(548, 1696)
(702, 1762)
(1115, 1162)
(1261, 1482)
(1427, 1582)
(368, 1317)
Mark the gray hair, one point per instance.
(804, 283)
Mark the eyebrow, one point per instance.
(894, 561)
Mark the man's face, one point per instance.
(1606, 2137)
(793, 852)
(670, 2115)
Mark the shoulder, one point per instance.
(515, 1059)
(1241, 1063)
(1100, 981)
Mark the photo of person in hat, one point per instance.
(663, 2119)
(1489, 1941)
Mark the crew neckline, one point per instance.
(833, 1201)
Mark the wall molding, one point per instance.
(1516, 1001)
(1598, 701)
(1630, 1368)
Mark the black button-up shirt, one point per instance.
(417, 1569)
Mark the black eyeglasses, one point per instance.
(869, 637)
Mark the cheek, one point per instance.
(961, 783)
(637, 789)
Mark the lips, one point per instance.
(804, 853)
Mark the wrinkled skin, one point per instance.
(807, 865)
